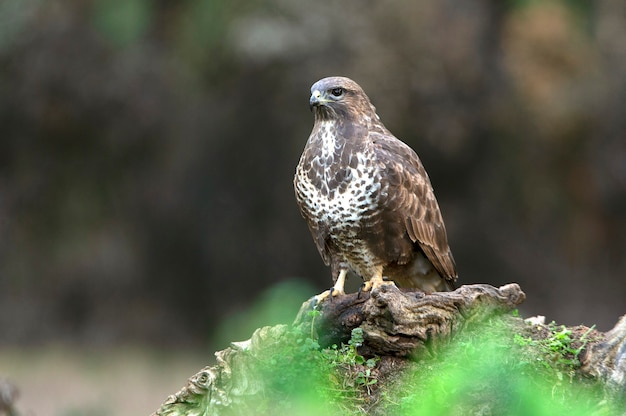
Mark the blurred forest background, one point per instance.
(147, 149)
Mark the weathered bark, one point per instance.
(394, 324)
(405, 323)
(231, 382)
(606, 360)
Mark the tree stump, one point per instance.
(399, 325)
(402, 323)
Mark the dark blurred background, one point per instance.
(147, 149)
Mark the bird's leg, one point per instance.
(337, 289)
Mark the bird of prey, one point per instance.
(367, 199)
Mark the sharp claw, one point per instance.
(319, 298)
(336, 290)
(358, 294)
(331, 293)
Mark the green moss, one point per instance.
(491, 370)
(301, 378)
(486, 370)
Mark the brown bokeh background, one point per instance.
(147, 150)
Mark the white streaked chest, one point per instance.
(328, 140)
(338, 192)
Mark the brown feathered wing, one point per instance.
(411, 200)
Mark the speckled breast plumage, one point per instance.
(339, 193)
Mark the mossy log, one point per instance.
(398, 325)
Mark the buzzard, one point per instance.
(366, 197)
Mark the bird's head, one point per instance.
(339, 98)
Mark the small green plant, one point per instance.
(558, 347)
(561, 343)
(357, 369)
(523, 341)
(313, 314)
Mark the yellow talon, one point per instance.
(337, 289)
(375, 282)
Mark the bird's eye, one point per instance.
(337, 92)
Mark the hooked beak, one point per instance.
(316, 100)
